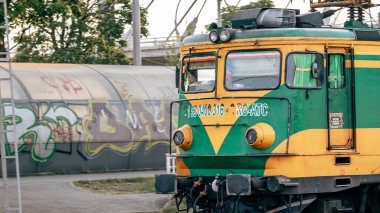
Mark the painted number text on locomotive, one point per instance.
(205, 110)
(258, 109)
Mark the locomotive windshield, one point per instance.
(198, 73)
(252, 70)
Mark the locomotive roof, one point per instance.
(354, 34)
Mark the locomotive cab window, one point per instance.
(304, 70)
(336, 71)
(253, 70)
(198, 73)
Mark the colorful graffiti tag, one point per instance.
(42, 134)
(116, 127)
(124, 130)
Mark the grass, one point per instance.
(123, 187)
(118, 186)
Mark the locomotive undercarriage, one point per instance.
(243, 193)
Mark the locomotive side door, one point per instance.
(339, 99)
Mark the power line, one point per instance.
(201, 8)
(290, 1)
(151, 2)
(180, 21)
(175, 18)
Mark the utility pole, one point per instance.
(219, 14)
(136, 32)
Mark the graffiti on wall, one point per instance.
(62, 84)
(111, 127)
(43, 134)
(120, 128)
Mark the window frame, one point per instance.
(305, 88)
(181, 71)
(344, 72)
(252, 50)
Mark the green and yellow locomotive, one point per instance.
(279, 114)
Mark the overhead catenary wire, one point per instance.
(336, 17)
(201, 8)
(180, 21)
(175, 18)
(193, 24)
(237, 4)
(287, 5)
(150, 3)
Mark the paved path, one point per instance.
(55, 194)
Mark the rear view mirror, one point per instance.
(176, 76)
(315, 70)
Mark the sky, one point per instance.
(161, 13)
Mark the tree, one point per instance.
(229, 11)
(72, 31)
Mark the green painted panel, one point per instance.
(307, 113)
(367, 57)
(367, 97)
(295, 32)
(308, 108)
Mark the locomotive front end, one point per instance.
(271, 117)
(230, 121)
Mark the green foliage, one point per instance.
(229, 11)
(172, 57)
(72, 31)
(2, 31)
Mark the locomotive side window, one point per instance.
(336, 71)
(198, 73)
(304, 70)
(252, 70)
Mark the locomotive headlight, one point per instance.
(225, 35)
(178, 138)
(251, 136)
(214, 36)
(183, 137)
(260, 136)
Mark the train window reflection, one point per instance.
(253, 70)
(198, 73)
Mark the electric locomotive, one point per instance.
(279, 114)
